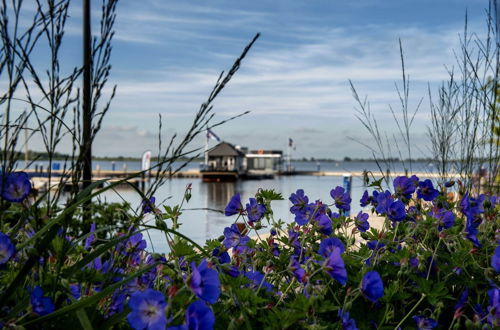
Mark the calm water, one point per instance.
(201, 224)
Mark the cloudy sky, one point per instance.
(295, 81)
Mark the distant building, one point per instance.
(263, 163)
(226, 162)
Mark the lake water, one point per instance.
(201, 224)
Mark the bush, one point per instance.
(433, 263)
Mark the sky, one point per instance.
(167, 56)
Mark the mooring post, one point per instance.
(86, 147)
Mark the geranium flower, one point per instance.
(222, 256)
(446, 219)
(472, 207)
(7, 249)
(495, 260)
(299, 201)
(462, 300)
(327, 246)
(204, 282)
(396, 211)
(403, 187)
(424, 323)
(15, 186)
(303, 215)
(91, 238)
(148, 205)
(233, 237)
(372, 286)
(335, 267)
(347, 323)
(234, 206)
(365, 199)
(148, 310)
(258, 280)
(361, 221)
(40, 304)
(341, 198)
(426, 191)
(297, 270)
(384, 200)
(255, 211)
(198, 316)
(325, 224)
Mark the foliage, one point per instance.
(438, 264)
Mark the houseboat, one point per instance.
(226, 162)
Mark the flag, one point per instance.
(290, 142)
(212, 135)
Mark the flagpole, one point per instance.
(206, 150)
(288, 169)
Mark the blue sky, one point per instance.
(168, 54)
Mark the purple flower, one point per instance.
(414, 262)
(293, 238)
(327, 246)
(325, 224)
(222, 256)
(134, 244)
(335, 267)
(404, 187)
(361, 221)
(462, 300)
(426, 191)
(255, 211)
(234, 206)
(148, 205)
(299, 201)
(40, 304)
(472, 207)
(375, 245)
(347, 323)
(494, 307)
(424, 323)
(15, 186)
(75, 290)
(258, 280)
(205, 282)
(148, 310)
(117, 303)
(384, 200)
(396, 211)
(303, 215)
(365, 199)
(7, 249)
(495, 260)
(372, 286)
(273, 231)
(233, 237)
(91, 238)
(446, 219)
(341, 198)
(297, 270)
(199, 316)
(449, 184)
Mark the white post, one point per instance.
(206, 150)
(289, 150)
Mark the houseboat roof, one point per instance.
(224, 149)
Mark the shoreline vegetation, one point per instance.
(40, 155)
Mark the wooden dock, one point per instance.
(101, 174)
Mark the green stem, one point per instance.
(410, 312)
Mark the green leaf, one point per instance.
(92, 300)
(84, 320)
